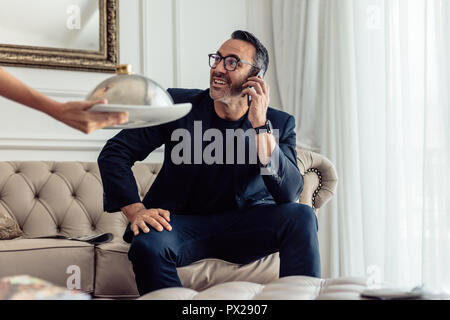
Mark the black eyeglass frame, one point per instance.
(230, 56)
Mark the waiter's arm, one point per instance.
(74, 114)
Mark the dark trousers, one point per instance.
(239, 237)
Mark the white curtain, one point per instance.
(369, 82)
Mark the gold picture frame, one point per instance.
(104, 60)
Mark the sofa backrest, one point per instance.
(66, 198)
(48, 198)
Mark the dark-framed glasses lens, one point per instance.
(231, 63)
(214, 60)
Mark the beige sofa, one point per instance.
(47, 198)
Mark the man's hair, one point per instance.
(261, 56)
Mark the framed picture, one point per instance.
(60, 34)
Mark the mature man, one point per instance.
(232, 208)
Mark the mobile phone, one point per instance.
(249, 97)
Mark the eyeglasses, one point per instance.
(230, 62)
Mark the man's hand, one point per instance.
(139, 217)
(257, 114)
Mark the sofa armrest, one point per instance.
(320, 178)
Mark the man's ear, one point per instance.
(253, 73)
(260, 74)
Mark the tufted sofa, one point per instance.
(65, 198)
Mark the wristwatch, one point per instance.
(267, 127)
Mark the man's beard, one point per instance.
(235, 90)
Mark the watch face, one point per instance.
(269, 126)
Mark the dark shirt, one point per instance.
(214, 187)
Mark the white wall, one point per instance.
(166, 40)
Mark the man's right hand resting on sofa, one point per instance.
(139, 216)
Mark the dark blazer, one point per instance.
(171, 188)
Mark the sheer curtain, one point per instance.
(369, 82)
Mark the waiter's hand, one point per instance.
(139, 217)
(76, 114)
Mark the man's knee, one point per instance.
(299, 215)
(154, 245)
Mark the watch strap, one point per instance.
(267, 127)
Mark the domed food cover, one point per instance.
(147, 103)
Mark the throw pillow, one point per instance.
(9, 229)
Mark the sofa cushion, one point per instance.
(209, 272)
(115, 277)
(9, 229)
(48, 259)
(287, 288)
(114, 272)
